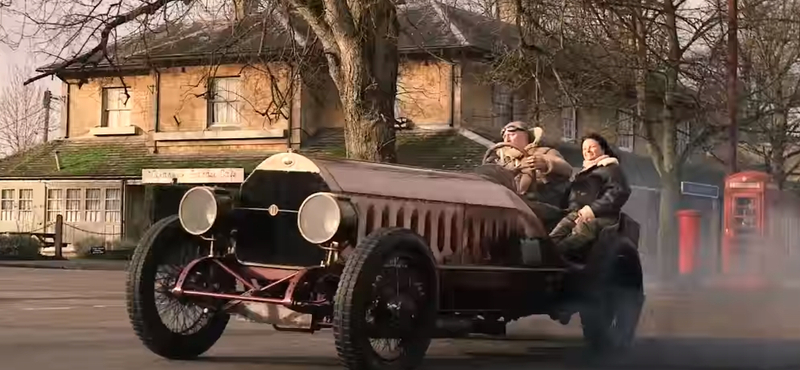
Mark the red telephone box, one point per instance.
(761, 228)
(743, 248)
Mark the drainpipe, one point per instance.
(157, 101)
(295, 88)
(66, 101)
(123, 194)
(150, 141)
(452, 94)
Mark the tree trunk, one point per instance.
(669, 168)
(366, 78)
(778, 139)
(640, 40)
(668, 225)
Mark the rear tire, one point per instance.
(611, 317)
(411, 313)
(157, 245)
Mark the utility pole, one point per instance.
(47, 96)
(733, 66)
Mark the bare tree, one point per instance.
(22, 114)
(358, 39)
(596, 51)
(770, 43)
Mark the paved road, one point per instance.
(66, 319)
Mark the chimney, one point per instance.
(243, 8)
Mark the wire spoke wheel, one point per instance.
(398, 294)
(385, 305)
(170, 326)
(179, 315)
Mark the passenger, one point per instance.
(596, 198)
(553, 185)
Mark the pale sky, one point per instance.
(29, 62)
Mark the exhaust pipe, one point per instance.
(460, 327)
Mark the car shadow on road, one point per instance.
(569, 353)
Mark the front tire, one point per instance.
(400, 307)
(163, 241)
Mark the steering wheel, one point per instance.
(501, 145)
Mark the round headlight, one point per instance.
(198, 210)
(320, 217)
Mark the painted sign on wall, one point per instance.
(192, 176)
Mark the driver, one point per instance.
(596, 198)
(555, 171)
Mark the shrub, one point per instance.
(19, 247)
(123, 244)
(84, 246)
(119, 249)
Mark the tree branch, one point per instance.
(116, 21)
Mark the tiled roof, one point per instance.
(432, 24)
(108, 158)
(443, 150)
(424, 25)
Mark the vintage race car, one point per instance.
(376, 252)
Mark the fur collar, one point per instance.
(602, 163)
(607, 162)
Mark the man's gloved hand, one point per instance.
(585, 214)
(536, 162)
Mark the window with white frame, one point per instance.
(7, 205)
(683, 136)
(569, 122)
(93, 204)
(224, 101)
(25, 205)
(625, 131)
(116, 107)
(113, 203)
(55, 204)
(73, 205)
(96, 205)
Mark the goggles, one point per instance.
(511, 128)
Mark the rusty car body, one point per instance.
(374, 252)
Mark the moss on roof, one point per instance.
(443, 150)
(126, 157)
(109, 158)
